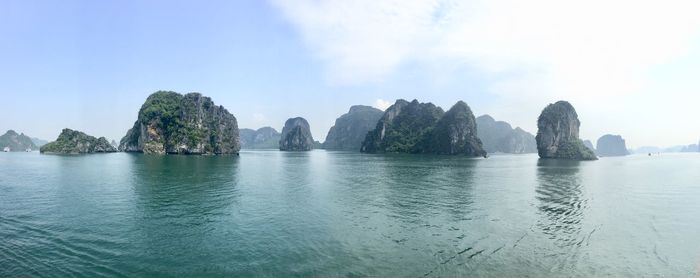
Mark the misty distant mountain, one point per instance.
(648, 149)
(262, 138)
(351, 128)
(16, 142)
(690, 148)
(39, 142)
(611, 145)
(589, 145)
(499, 136)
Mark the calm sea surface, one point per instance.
(319, 213)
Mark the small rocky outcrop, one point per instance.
(351, 128)
(454, 134)
(76, 142)
(499, 136)
(402, 126)
(611, 145)
(262, 138)
(172, 123)
(296, 135)
(558, 131)
(16, 142)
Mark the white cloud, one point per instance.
(382, 104)
(589, 52)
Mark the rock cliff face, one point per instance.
(414, 127)
(611, 145)
(263, 138)
(172, 123)
(296, 135)
(557, 134)
(350, 129)
(16, 142)
(499, 136)
(401, 127)
(76, 142)
(455, 133)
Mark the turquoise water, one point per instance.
(275, 214)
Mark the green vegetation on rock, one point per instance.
(557, 134)
(76, 142)
(169, 122)
(414, 127)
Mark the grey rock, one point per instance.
(296, 135)
(611, 145)
(172, 123)
(558, 134)
(454, 134)
(402, 126)
(351, 128)
(16, 142)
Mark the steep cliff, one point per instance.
(76, 142)
(455, 133)
(558, 131)
(296, 135)
(351, 128)
(172, 123)
(401, 127)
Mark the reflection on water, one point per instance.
(561, 202)
(331, 214)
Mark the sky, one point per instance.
(628, 67)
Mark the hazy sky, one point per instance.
(629, 67)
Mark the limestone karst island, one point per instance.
(330, 138)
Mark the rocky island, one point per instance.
(172, 123)
(16, 142)
(558, 134)
(455, 133)
(611, 145)
(76, 142)
(499, 136)
(296, 136)
(414, 127)
(351, 128)
(262, 138)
